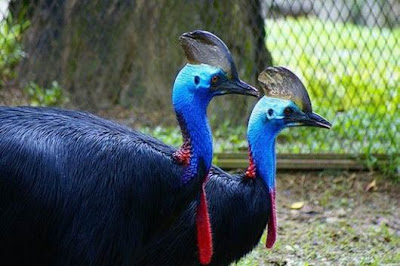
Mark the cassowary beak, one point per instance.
(310, 119)
(315, 120)
(235, 86)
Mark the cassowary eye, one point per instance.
(214, 79)
(196, 80)
(288, 111)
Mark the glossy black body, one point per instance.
(76, 189)
(239, 210)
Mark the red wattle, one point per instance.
(204, 236)
(272, 223)
(251, 170)
(183, 154)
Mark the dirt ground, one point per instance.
(334, 219)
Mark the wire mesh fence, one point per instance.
(97, 54)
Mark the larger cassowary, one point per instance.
(241, 206)
(76, 189)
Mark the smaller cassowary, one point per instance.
(76, 189)
(241, 206)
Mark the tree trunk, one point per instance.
(106, 52)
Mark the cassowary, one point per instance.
(76, 189)
(241, 206)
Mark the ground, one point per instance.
(334, 218)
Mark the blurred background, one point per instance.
(119, 58)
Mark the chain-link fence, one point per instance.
(348, 52)
(99, 54)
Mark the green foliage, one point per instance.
(39, 96)
(168, 135)
(226, 138)
(10, 47)
(353, 76)
(390, 168)
(229, 138)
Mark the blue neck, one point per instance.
(190, 102)
(262, 146)
(196, 129)
(262, 132)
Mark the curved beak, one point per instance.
(315, 120)
(236, 86)
(307, 119)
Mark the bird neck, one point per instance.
(191, 111)
(261, 136)
(197, 138)
(262, 156)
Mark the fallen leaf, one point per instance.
(297, 205)
(371, 186)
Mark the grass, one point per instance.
(353, 76)
(354, 227)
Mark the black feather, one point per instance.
(76, 189)
(239, 210)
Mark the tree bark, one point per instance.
(106, 52)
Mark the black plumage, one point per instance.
(70, 188)
(239, 209)
(76, 189)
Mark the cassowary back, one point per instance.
(71, 190)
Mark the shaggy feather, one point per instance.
(76, 189)
(239, 209)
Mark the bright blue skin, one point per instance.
(190, 97)
(263, 129)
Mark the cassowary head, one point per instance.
(210, 70)
(286, 104)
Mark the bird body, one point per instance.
(241, 206)
(73, 178)
(76, 189)
(239, 209)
